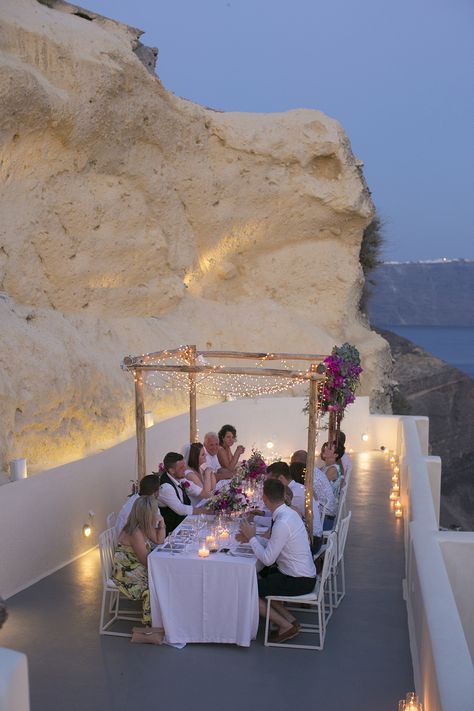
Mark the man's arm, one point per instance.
(168, 497)
(279, 536)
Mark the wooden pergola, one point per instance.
(194, 366)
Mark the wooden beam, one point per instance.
(261, 356)
(140, 423)
(292, 374)
(192, 398)
(312, 433)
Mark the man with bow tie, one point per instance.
(173, 499)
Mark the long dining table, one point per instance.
(211, 599)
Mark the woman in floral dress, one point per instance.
(145, 528)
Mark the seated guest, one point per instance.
(331, 457)
(149, 486)
(227, 437)
(288, 547)
(299, 497)
(297, 471)
(345, 459)
(143, 530)
(323, 493)
(211, 447)
(281, 471)
(173, 498)
(298, 456)
(198, 472)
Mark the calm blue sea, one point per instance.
(452, 344)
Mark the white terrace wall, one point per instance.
(439, 581)
(41, 517)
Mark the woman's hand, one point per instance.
(160, 530)
(239, 449)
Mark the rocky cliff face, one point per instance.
(429, 386)
(133, 221)
(423, 293)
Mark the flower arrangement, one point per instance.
(229, 498)
(254, 468)
(342, 378)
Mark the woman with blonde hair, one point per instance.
(145, 528)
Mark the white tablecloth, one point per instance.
(211, 599)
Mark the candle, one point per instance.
(203, 552)
(212, 543)
(392, 459)
(224, 535)
(396, 470)
(393, 496)
(395, 487)
(395, 478)
(398, 513)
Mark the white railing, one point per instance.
(439, 583)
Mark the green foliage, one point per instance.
(370, 256)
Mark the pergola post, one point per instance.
(192, 397)
(312, 432)
(140, 422)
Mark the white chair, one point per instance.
(339, 513)
(312, 603)
(337, 570)
(111, 519)
(107, 548)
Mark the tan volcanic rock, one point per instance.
(133, 220)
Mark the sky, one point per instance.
(397, 75)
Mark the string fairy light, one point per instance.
(213, 383)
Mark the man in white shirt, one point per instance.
(173, 498)
(149, 486)
(282, 471)
(288, 547)
(211, 445)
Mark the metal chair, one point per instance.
(339, 513)
(337, 570)
(111, 519)
(312, 603)
(107, 548)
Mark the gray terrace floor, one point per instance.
(365, 665)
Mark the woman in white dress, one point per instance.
(331, 457)
(198, 473)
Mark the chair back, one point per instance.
(111, 519)
(107, 550)
(342, 536)
(340, 508)
(328, 563)
(323, 514)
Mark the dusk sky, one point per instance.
(397, 75)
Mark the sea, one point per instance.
(452, 344)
